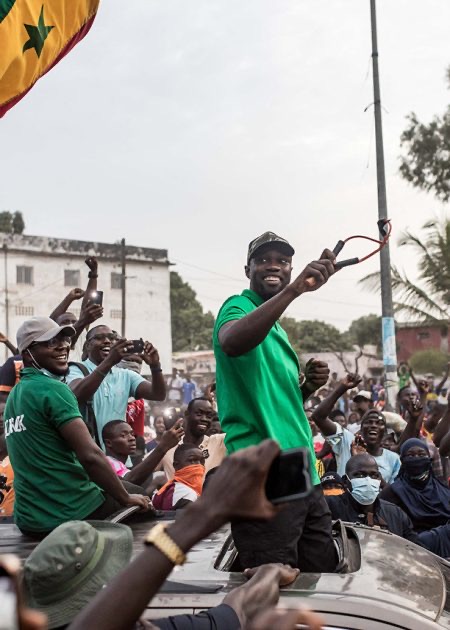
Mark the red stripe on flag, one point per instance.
(84, 30)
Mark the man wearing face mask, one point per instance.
(361, 504)
(59, 471)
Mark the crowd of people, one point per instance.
(89, 426)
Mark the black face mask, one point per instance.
(416, 466)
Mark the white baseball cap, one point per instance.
(40, 329)
(363, 394)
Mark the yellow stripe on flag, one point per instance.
(33, 34)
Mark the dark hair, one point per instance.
(109, 429)
(336, 412)
(373, 412)
(401, 390)
(183, 448)
(91, 332)
(194, 400)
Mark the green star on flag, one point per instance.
(37, 34)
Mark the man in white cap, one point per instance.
(59, 472)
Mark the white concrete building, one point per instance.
(38, 271)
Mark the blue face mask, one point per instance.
(365, 490)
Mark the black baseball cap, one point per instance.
(268, 240)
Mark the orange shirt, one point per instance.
(213, 446)
(7, 505)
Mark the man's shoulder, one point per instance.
(241, 302)
(391, 508)
(216, 439)
(80, 368)
(390, 455)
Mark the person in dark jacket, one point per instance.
(361, 504)
(416, 490)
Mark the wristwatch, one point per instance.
(159, 538)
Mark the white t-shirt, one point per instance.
(181, 491)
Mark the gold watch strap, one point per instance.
(159, 538)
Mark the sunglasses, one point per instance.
(103, 337)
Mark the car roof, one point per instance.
(393, 572)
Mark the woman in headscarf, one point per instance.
(416, 490)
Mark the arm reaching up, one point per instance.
(323, 410)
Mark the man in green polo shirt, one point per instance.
(60, 474)
(259, 397)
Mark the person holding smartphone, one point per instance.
(98, 379)
(259, 397)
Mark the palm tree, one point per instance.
(429, 300)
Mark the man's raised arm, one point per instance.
(242, 335)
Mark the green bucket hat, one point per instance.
(72, 564)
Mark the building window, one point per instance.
(115, 313)
(24, 274)
(28, 311)
(71, 277)
(116, 280)
(423, 335)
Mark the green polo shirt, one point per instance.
(258, 393)
(51, 485)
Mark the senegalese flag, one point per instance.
(34, 36)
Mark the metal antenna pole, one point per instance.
(387, 308)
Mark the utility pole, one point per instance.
(387, 308)
(123, 285)
(5, 251)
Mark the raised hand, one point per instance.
(316, 274)
(358, 446)
(151, 355)
(317, 374)
(90, 314)
(75, 294)
(119, 351)
(414, 408)
(172, 437)
(350, 381)
(91, 262)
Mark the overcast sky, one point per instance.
(195, 126)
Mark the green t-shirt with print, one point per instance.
(258, 393)
(51, 485)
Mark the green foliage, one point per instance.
(366, 330)
(315, 336)
(426, 164)
(191, 328)
(429, 299)
(431, 360)
(11, 222)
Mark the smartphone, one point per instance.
(9, 617)
(289, 476)
(96, 297)
(138, 346)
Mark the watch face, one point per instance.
(205, 453)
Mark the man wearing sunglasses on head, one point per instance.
(97, 379)
(59, 472)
